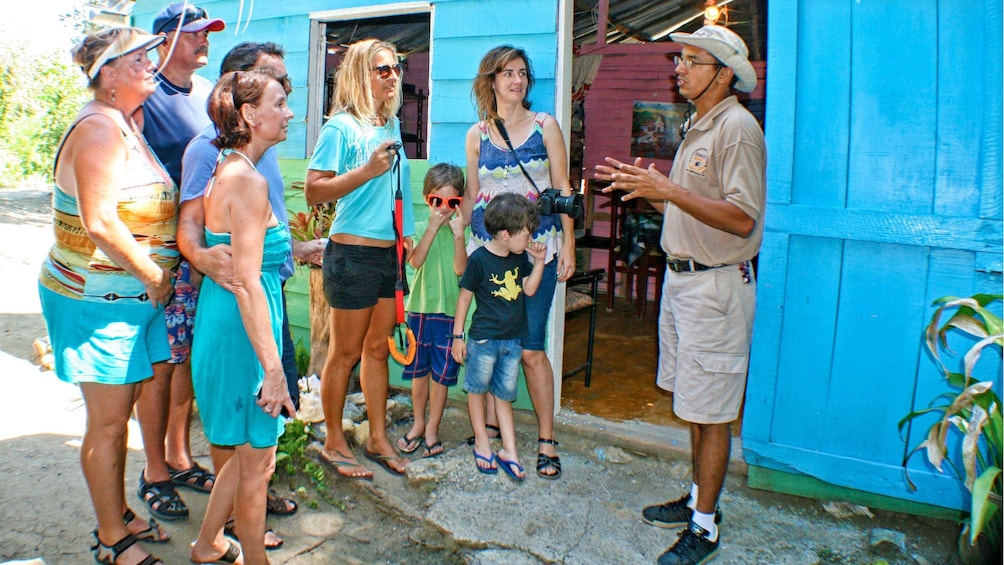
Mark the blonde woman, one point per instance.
(107, 277)
(358, 162)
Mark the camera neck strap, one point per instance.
(505, 136)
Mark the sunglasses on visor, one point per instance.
(384, 71)
(451, 202)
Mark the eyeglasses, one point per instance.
(386, 70)
(689, 63)
(451, 202)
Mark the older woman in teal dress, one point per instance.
(238, 378)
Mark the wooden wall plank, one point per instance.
(990, 147)
(765, 355)
(782, 60)
(485, 18)
(957, 174)
(819, 174)
(804, 369)
(910, 229)
(934, 488)
(880, 310)
(894, 107)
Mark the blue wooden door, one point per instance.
(884, 186)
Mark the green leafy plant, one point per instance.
(972, 408)
(312, 224)
(302, 356)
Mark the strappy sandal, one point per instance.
(488, 428)
(109, 554)
(280, 506)
(229, 556)
(230, 529)
(162, 499)
(194, 478)
(151, 534)
(545, 461)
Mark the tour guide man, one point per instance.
(712, 205)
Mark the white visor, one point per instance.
(117, 49)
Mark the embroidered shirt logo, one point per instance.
(508, 290)
(698, 162)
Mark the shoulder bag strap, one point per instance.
(505, 136)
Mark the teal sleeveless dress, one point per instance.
(226, 373)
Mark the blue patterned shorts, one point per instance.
(180, 315)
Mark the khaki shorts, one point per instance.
(705, 326)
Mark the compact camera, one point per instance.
(551, 202)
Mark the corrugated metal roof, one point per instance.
(646, 21)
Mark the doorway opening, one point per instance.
(624, 105)
(409, 29)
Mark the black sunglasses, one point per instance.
(192, 14)
(385, 71)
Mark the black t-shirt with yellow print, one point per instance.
(497, 284)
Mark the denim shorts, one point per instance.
(357, 276)
(538, 307)
(493, 366)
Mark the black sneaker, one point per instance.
(692, 548)
(672, 514)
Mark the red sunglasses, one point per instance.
(451, 202)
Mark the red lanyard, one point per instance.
(403, 348)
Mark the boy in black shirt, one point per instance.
(499, 274)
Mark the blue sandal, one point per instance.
(508, 467)
(492, 469)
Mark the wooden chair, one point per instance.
(584, 298)
(633, 225)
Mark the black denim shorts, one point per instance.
(356, 276)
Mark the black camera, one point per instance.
(551, 201)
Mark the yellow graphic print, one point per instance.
(509, 289)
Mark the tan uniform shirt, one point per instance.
(723, 156)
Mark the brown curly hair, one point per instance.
(233, 91)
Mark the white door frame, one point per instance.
(317, 55)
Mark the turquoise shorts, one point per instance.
(104, 342)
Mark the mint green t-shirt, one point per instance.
(435, 287)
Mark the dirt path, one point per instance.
(444, 512)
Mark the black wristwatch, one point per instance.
(459, 336)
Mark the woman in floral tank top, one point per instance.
(500, 90)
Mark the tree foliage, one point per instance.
(40, 93)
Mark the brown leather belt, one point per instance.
(685, 265)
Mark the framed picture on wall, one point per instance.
(655, 129)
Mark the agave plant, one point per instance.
(971, 407)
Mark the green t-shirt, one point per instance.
(435, 288)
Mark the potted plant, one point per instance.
(971, 408)
(306, 226)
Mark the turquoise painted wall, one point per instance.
(884, 193)
(463, 30)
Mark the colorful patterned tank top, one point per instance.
(147, 205)
(499, 172)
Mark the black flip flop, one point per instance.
(382, 460)
(428, 452)
(411, 443)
